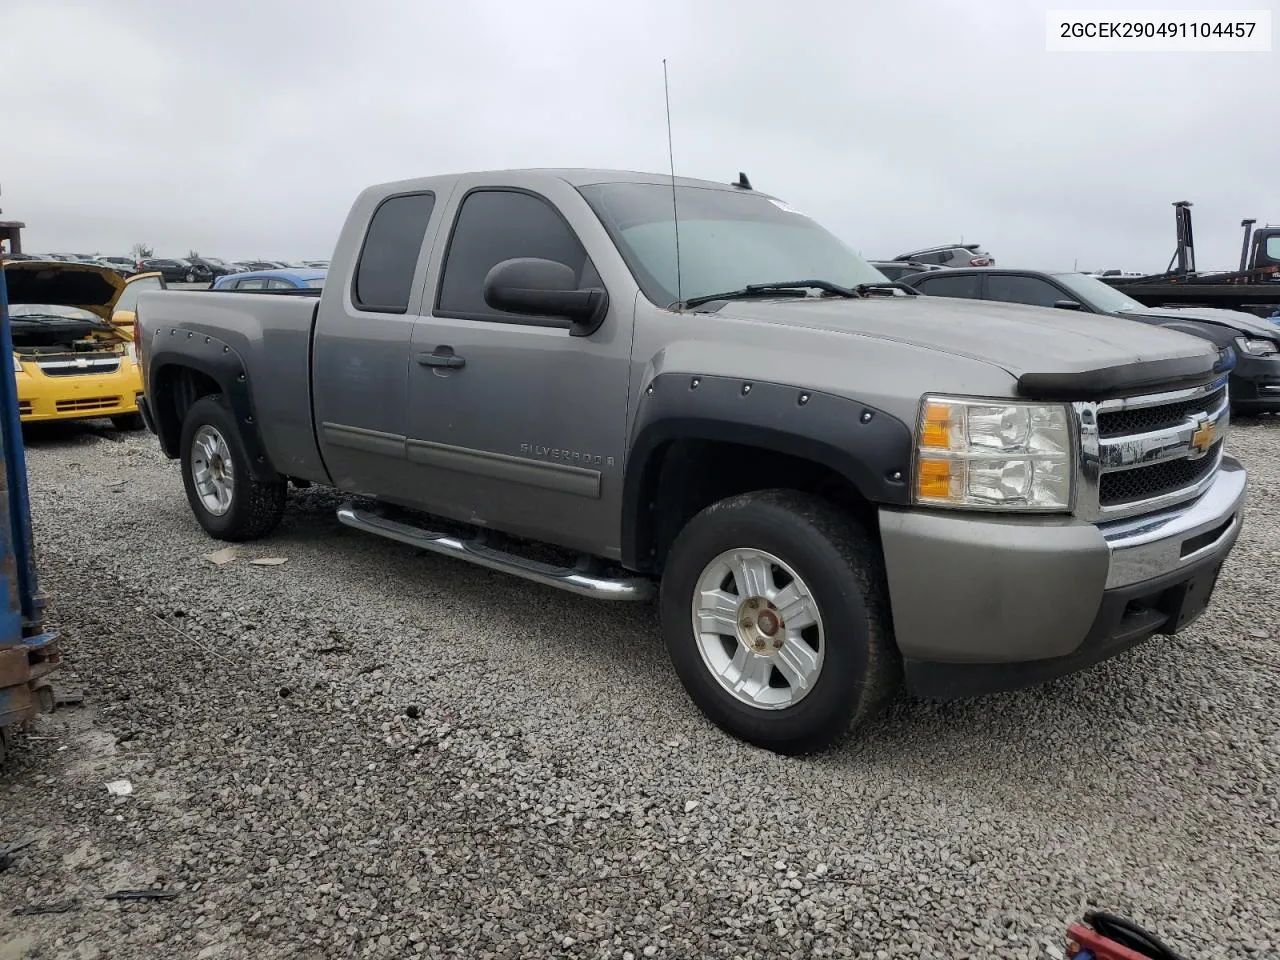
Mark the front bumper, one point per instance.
(983, 604)
(1255, 384)
(43, 398)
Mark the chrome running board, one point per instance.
(583, 579)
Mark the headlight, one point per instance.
(1255, 348)
(990, 455)
(17, 364)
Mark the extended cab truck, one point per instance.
(833, 484)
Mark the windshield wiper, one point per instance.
(862, 288)
(766, 289)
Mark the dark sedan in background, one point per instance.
(176, 271)
(1255, 379)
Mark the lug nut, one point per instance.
(759, 643)
(753, 603)
(777, 643)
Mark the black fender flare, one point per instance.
(870, 448)
(177, 348)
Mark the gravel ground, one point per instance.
(368, 752)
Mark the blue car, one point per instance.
(272, 280)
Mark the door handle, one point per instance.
(442, 356)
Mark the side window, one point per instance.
(966, 285)
(275, 283)
(1272, 248)
(129, 297)
(1029, 290)
(497, 225)
(936, 257)
(253, 283)
(383, 279)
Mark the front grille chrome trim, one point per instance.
(1199, 434)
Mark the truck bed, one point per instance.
(272, 335)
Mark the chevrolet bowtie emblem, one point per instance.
(1203, 437)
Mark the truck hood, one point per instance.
(1022, 340)
(84, 285)
(1233, 319)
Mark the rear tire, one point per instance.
(224, 496)
(830, 661)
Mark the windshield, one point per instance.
(18, 310)
(1098, 294)
(728, 239)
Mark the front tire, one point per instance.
(774, 612)
(224, 496)
(128, 422)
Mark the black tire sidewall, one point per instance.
(214, 411)
(795, 539)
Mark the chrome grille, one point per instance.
(1142, 483)
(1140, 454)
(1117, 423)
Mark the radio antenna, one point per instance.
(675, 217)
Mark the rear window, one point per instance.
(946, 286)
(383, 279)
(1273, 248)
(316, 282)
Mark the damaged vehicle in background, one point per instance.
(71, 361)
(1255, 379)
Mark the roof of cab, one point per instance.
(584, 176)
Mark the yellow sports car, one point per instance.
(72, 329)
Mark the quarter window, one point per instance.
(384, 273)
(497, 225)
(963, 286)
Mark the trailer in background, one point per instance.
(1255, 287)
(28, 652)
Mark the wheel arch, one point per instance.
(698, 440)
(203, 365)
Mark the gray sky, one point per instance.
(245, 129)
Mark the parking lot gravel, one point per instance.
(369, 752)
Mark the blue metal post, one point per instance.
(15, 463)
(28, 653)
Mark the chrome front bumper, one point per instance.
(1144, 548)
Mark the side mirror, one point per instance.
(1068, 305)
(545, 288)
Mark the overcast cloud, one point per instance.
(244, 129)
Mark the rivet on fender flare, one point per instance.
(866, 416)
(804, 398)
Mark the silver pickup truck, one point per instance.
(834, 485)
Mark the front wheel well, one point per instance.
(685, 476)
